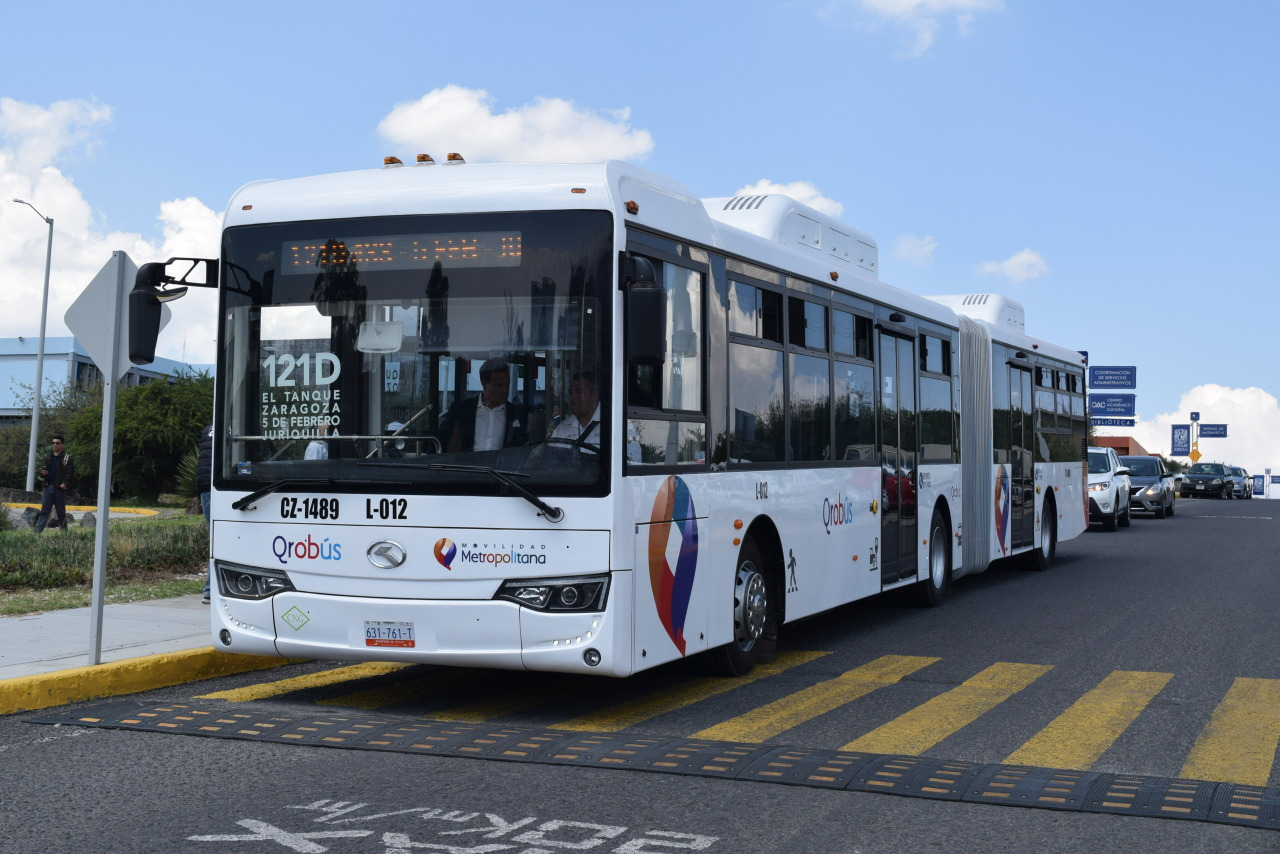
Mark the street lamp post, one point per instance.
(44, 311)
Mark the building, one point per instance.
(1125, 446)
(65, 361)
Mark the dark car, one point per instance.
(1151, 487)
(1207, 480)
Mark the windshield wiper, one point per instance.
(552, 514)
(243, 503)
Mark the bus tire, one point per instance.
(937, 582)
(1041, 558)
(753, 617)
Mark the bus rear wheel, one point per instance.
(1042, 558)
(753, 618)
(935, 586)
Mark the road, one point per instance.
(1147, 652)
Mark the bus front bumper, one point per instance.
(465, 633)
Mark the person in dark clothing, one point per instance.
(490, 421)
(204, 479)
(58, 472)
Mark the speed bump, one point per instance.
(909, 776)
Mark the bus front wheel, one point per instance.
(753, 618)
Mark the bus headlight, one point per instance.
(584, 593)
(248, 582)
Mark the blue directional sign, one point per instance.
(1213, 431)
(1195, 416)
(1275, 478)
(1105, 376)
(1111, 422)
(1113, 405)
(1181, 440)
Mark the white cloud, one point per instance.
(1252, 417)
(1020, 267)
(550, 130)
(915, 249)
(33, 139)
(801, 191)
(923, 18)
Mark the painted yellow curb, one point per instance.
(128, 676)
(79, 508)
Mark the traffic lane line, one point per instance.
(127, 676)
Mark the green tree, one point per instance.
(61, 402)
(157, 424)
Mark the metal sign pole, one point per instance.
(111, 380)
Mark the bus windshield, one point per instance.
(422, 353)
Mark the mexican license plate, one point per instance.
(388, 633)
(1199, 486)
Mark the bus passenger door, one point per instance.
(898, 450)
(1022, 481)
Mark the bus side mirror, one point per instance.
(646, 313)
(144, 314)
(146, 297)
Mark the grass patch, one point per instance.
(148, 558)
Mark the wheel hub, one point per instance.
(750, 607)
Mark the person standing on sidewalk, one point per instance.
(58, 472)
(204, 480)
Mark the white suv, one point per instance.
(1108, 489)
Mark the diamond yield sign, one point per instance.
(99, 318)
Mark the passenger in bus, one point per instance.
(583, 421)
(318, 448)
(490, 421)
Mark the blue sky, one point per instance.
(1110, 165)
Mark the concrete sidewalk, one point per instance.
(44, 658)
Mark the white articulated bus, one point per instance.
(573, 418)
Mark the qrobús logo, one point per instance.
(308, 549)
(447, 552)
(837, 513)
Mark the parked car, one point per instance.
(1151, 485)
(1207, 480)
(1241, 482)
(1109, 490)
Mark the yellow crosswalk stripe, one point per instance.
(924, 726)
(406, 691)
(547, 689)
(632, 712)
(769, 720)
(1239, 744)
(1079, 736)
(263, 690)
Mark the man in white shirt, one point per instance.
(490, 421)
(318, 448)
(583, 421)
